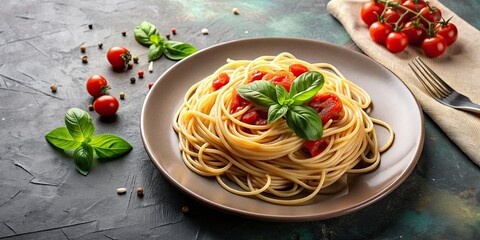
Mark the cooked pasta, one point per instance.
(268, 160)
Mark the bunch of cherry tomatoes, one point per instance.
(396, 24)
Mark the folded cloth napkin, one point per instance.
(459, 66)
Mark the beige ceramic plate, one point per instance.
(392, 102)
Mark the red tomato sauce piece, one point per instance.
(221, 80)
(328, 105)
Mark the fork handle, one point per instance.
(471, 107)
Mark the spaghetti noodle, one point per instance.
(269, 161)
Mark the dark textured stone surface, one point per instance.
(43, 197)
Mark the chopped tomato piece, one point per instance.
(255, 118)
(221, 80)
(316, 147)
(238, 103)
(284, 78)
(328, 106)
(298, 69)
(257, 75)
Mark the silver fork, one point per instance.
(439, 89)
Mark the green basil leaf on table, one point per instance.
(83, 158)
(275, 112)
(305, 122)
(79, 124)
(143, 32)
(155, 51)
(61, 138)
(156, 39)
(109, 146)
(177, 50)
(259, 92)
(306, 86)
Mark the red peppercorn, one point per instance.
(150, 84)
(174, 31)
(140, 73)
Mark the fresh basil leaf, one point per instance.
(177, 50)
(83, 158)
(156, 39)
(259, 92)
(143, 32)
(275, 112)
(306, 86)
(61, 138)
(109, 146)
(79, 124)
(305, 122)
(155, 51)
(282, 95)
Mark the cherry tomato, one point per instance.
(415, 32)
(316, 147)
(431, 13)
(106, 105)
(238, 103)
(370, 12)
(97, 86)
(396, 42)
(256, 75)
(391, 16)
(297, 69)
(448, 31)
(221, 80)
(328, 106)
(119, 57)
(414, 5)
(379, 31)
(284, 78)
(434, 46)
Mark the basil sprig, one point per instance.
(78, 135)
(302, 120)
(147, 34)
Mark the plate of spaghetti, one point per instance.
(282, 129)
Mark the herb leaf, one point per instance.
(259, 92)
(306, 86)
(177, 50)
(61, 138)
(109, 146)
(156, 39)
(155, 52)
(282, 95)
(83, 158)
(305, 122)
(79, 124)
(143, 32)
(275, 112)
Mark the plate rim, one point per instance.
(282, 218)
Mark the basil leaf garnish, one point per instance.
(109, 146)
(79, 124)
(61, 138)
(156, 39)
(177, 50)
(305, 122)
(83, 158)
(259, 92)
(275, 112)
(155, 52)
(143, 32)
(306, 86)
(282, 95)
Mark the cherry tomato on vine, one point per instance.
(415, 32)
(434, 46)
(119, 57)
(106, 105)
(379, 31)
(414, 5)
(431, 13)
(391, 16)
(370, 12)
(297, 69)
(448, 31)
(396, 42)
(97, 86)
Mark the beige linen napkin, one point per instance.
(459, 66)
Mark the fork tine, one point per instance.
(432, 89)
(442, 86)
(425, 85)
